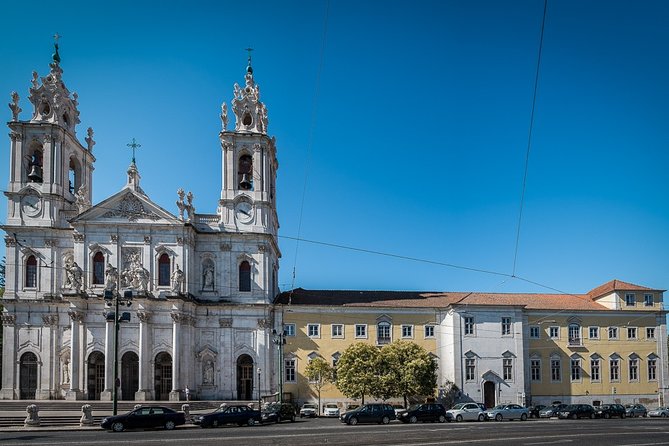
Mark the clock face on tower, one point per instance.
(244, 212)
(31, 205)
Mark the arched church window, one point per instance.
(31, 272)
(245, 172)
(98, 268)
(245, 276)
(35, 166)
(73, 176)
(164, 270)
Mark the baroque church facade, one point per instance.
(201, 285)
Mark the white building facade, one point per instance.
(201, 285)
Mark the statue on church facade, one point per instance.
(177, 280)
(111, 277)
(73, 276)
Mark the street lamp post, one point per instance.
(114, 299)
(259, 397)
(280, 340)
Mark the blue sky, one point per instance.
(413, 137)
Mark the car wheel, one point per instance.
(214, 423)
(523, 417)
(250, 422)
(645, 414)
(574, 416)
(385, 420)
(353, 421)
(623, 415)
(607, 415)
(278, 419)
(169, 425)
(118, 427)
(441, 419)
(498, 417)
(481, 417)
(664, 415)
(292, 418)
(413, 419)
(458, 418)
(592, 416)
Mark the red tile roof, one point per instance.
(617, 285)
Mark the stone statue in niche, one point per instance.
(111, 277)
(135, 275)
(73, 276)
(208, 276)
(66, 371)
(177, 280)
(208, 372)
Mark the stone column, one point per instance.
(9, 359)
(75, 356)
(106, 395)
(48, 380)
(144, 393)
(178, 319)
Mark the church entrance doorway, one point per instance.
(28, 376)
(163, 376)
(129, 375)
(244, 378)
(489, 394)
(96, 375)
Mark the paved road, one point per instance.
(646, 432)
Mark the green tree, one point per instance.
(357, 370)
(408, 370)
(319, 373)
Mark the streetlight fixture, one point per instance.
(280, 340)
(114, 299)
(259, 397)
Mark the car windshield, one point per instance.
(500, 407)
(331, 406)
(414, 407)
(309, 406)
(458, 406)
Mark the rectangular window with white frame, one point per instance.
(289, 369)
(614, 369)
(506, 326)
(594, 370)
(613, 332)
(337, 331)
(593, 332)
(535, 332)
(554, 332)
(289, 329)
(575, 370)
(630, 299)
(652, 369)
(648, 300)
(650, 333)
(470, 369)
(535, 369)
(361, 331)
(631, 333)
(556, 370)
(429, 331)
(469, 326)
(407, 331)
(507, 369)
(314, 330)
(634, 369)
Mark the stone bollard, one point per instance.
(185, 408)
(86, 415)
(137, 406)
(33, 416)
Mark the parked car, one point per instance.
(659, 412)
(534, 410)
(636, 410)
(423, 412)
(551, 411)
(610, 410)
(369, 413)
(277, 412)
(145, 417)
(508, 412)
(575, 411)
(308, 410)
(465, 411)
(398, 409)
(236, 414)
(331, 410)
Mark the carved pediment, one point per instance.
(128, 206)
(131, 208)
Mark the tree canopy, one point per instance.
(319, 373)
(357, 370)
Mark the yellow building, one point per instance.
(604, 346)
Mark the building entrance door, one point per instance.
(96, 375)
(129, 376)
(244, 378)
(489, 394)
(163, 376)
(28, 376)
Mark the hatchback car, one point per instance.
(423, 412)
(508, 412)
(277, 412)
(145, 417)
(236, 414)
(534, 410)
(308, 410)
(331, 410)
(575, 411)
(465, 412)
(636, 410)
(369, 413)
(610, 410)
(551, 411)
(659, 412)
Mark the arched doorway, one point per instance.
(489, 394)
(244, 378)
(163, 376)
(96, 375)
(28, 376)
(129, 375)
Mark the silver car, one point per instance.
(659, 412)
(508, 412)
(465, 411)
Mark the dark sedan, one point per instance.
(369, 413)
(575, 411)
(534, 410)
(238, 414)
(423, 412)
(277, 412)
(636, 410)
(144, 418)
(610, 410)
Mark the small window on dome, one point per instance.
(66, 119)
(44, 108)
(247, 120)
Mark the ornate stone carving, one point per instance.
(147, 239)
(8, 319)
(226, 247)
(144, 316)
(225, 322)
(14, 106)
(81, 199)
(131, 208)
(185, 206)
(111, 277)
(10, 241)
(224, 116)
(73, 277)
(180, 241)
(262, 247)
(78, 237)
(250, 113)
(50, 319)
(86, 415)
(47, 138)
(89, 139)
(177, 280)
(113, 238)
(51, 242)
(33, 416)
(76, 316)
(264, 323)
(134, 275)
(15, 136)
(179, 318)
(208, 275)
